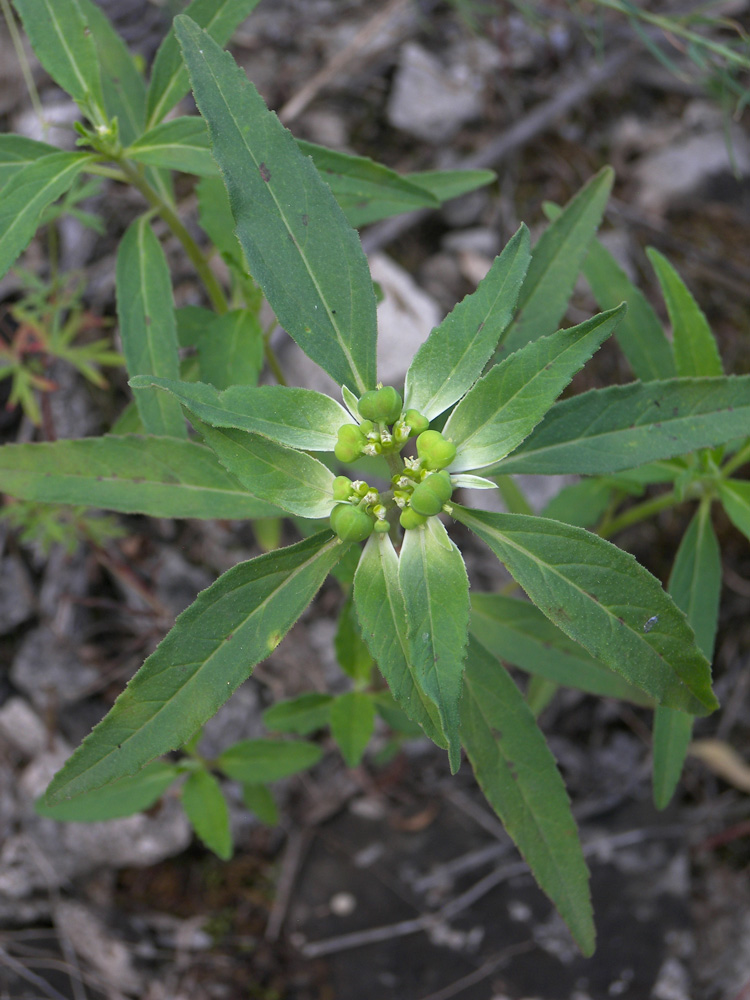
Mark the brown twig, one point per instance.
(297, 847)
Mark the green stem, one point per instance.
(213, 288)
(640, 512)
(738, 459)
(273, 364)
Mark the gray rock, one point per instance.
(93, 941)
(48, 670)
(239, 719)
(16, 594)
(22, 728)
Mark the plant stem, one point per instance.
(212, 286)
(24, 64)
(738, 459)
(273, 364)
(640, 512)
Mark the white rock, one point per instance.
(22, 728)
(96, 943)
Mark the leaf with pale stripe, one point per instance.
(17, 152)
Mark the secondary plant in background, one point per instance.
(381, 466)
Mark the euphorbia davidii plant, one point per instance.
(382, 467)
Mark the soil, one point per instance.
(395, 880)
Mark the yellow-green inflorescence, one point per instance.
(421, 488)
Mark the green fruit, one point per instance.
(411, 519)
(435, 451)
(350, 523)
(382, 405)
(416, 421)
(382, 527)
(342, 488)
(350, 442)
(428, 498)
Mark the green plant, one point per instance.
(478, 404)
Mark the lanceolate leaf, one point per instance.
(601, 597)
(300, 248)
(63, 42)
(503, 407)
(179, 144)
(28, 193)
(260, 761)
(518, 633)
(447, 184)
(695, 349)
(352, 723)
(147, 325)
(290, 479)
(206, 808)
(606, 430)
(230, 351)
(454, 355)
(162, 477)
(695, 584)
(211, 650)
(520, 780)
(301, 715)
(299, 418)
(556, 262)
(121, 798)
(382, 616)
(169, 78)
(17, 152)
(435, 588)
(735, 499)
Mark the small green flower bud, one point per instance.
(416, 421)
(350, 443)
(367, 427)
(430, 495)
(411, 519)
(382, 405)
(381, 527)
(342, 488)
(435, 451)
(350, 523)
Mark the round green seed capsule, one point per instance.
(350, 442)
(342, 488)
(430, 495)
(411, 519)
(350, 523)
(383, 405)
(381, 527)
(416, 421)
(435, 451)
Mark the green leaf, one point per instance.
(351, 651)
(695, 585)
(352, 724)
(214, 645)
(206, 809)
(582, 503)
(435, 587)
(454, 355)
(180, 144)
(366, 191)
(300, 248)
(169, 78)
(735, 499)
(639, 333)
(298, 418)
(231, 350)
(162, 477)
(518, 633)
(601, 597)
(518, 775)
(695, 349)
(64, 44)
(260, 801)
(556, 262)
(606, 430)
(120, 798)
(447, 184)
(301, 715)
(26, 195)
(382, 616)
(261, 761)
(215, 216)
(17, 152)
(147, 325)
(123, 88)
(504, 406)
(394, 716)
(289, 479)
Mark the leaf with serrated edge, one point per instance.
(601, 597)
(518, 633)
(300, 248)
(517, 773)
(179, 144)
(298, 418)
(556, 263)
(121, 798)
(147, 325)
(161, 477)
(695, 585)
(625, 426)
(214, 645)
(28, 193)
(292, 480)
(381, 611)
(206, 809)
(17, 152)
(504, 406)
(433, 581)
(452, 358)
